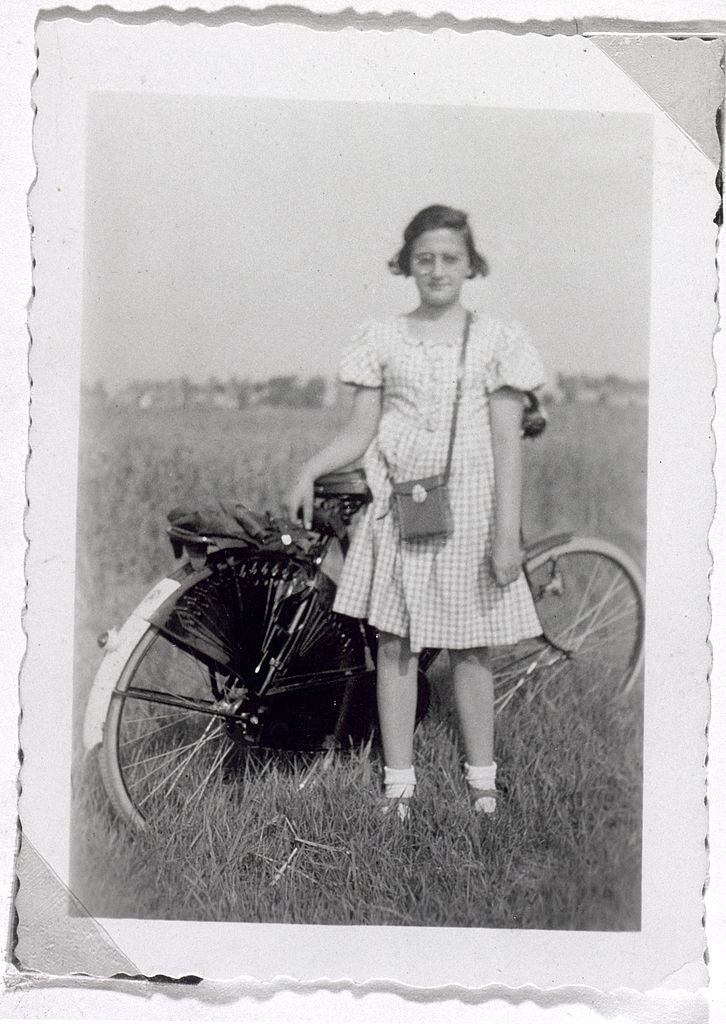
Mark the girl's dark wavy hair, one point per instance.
(431, 219)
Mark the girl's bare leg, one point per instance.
(396, 688)
(474, 696)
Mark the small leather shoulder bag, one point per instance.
(422, 505)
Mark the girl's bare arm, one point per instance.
(346, 447)
(505, 408)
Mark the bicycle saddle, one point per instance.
(342, 482)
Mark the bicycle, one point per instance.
(239, 648)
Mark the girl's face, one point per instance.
(439, 266)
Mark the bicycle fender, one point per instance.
(118, 650)
(554, 540)
(158, 613)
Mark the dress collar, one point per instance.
(402, 323)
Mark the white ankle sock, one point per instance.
(482, 777)
(399, 782)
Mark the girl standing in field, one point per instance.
(463, 592)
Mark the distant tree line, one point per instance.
(182, 393)
(319, 391)
(610, 388)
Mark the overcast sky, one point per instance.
(248, 237)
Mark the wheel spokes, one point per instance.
(154, 732)
(207, 737)
(588, 613)
(594, 612)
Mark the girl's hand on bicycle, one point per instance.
(300, 497)
(507, 558)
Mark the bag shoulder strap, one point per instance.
(457, 396)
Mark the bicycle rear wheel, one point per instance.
(590, 601)
(188, 700)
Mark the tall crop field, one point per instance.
(296, 839)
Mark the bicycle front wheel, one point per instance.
(589, 597)
(189, 699)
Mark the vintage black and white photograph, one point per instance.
(341, 576)
(359, 467)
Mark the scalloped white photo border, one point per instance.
(680, 310)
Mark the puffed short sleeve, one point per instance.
(361, 360)
(515, 362)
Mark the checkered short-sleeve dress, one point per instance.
(438, 592)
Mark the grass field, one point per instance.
(296, 839)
